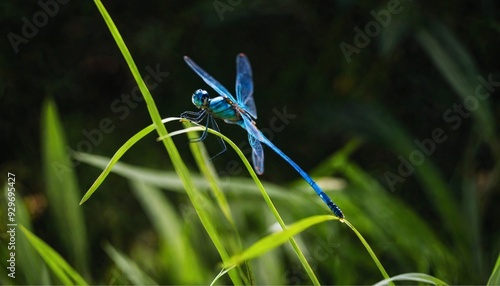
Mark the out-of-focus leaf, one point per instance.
(62, 270)
(62, 191)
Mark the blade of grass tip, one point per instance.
(416, 277)
(128, 267)
(118, 154)
(170, 181)
(61, 269)
(495, 274)
(276, 239)
(152, 109)
(369, 249)
(268, 201)
(177, 162)
(62, 190)
(28, 262)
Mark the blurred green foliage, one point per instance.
(361, 119)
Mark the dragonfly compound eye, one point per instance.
(201, 98)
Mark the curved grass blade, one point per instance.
(201, 159)
(276, 239)
(118, 154)
(378, 207)
(266, 197)
(415, 277)
(62, 270)
(369, 249)
(172, 151)
(236, 186)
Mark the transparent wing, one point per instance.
(244, 85)
(254, 137)
(209, 79)
(257, 154)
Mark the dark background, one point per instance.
(396, 83)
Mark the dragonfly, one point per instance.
(241, 111)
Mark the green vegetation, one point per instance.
(398, 124)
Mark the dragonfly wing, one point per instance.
(209, 79)
(257, 154)
(255, 137)
(244, 85)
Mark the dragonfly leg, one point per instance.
(205, 132)
(197, 117)
(221, 141)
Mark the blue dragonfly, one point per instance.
(241, 111)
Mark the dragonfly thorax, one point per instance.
(201, 99)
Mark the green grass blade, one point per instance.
(236, 186)
(150, 104)
(428, 174)
(173, 240)
(129, 267)
(61, 269)
(276, 239)
(177, 162)
(376, 207)
(457, 67)
(206, 168)
(264, 194)
(62, 189)
(200, 205)
(414, 277)
(495, 274)
(30, 267)
(221, 273)
(369, 249)
(118, 154)
(201, 158)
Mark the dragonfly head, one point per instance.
(201, 99)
